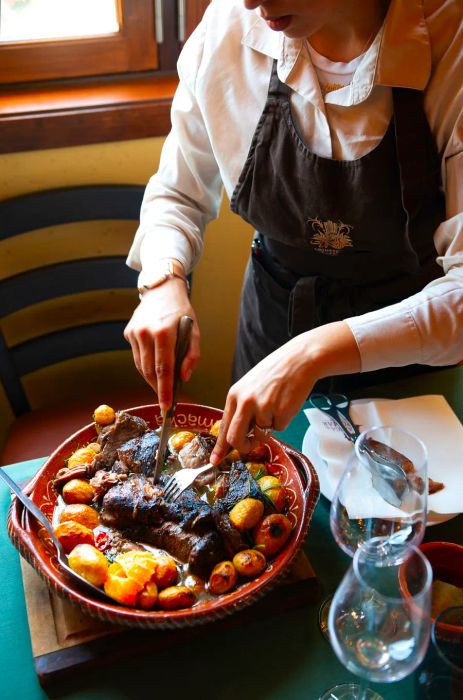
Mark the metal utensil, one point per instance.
(61, 554)
(181, 346)
(388, 477)
(181, 480)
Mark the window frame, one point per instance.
(131, 49)
(97, 109)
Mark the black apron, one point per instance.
(336, 238)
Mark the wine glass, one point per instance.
(365, 506)
(379, 621)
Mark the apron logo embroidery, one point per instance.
(330, 237)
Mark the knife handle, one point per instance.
(181, 346)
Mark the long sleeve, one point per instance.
(185, 193)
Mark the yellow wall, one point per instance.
(217, 279)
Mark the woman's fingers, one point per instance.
(164, 365)
(191, 360)
(152, 334)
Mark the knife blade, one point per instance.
(181, 346)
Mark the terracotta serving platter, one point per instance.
(32, 541)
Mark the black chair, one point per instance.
(65, 297)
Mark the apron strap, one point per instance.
(277, 89)
(418, 166)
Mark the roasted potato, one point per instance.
(104, 415)
(215, 428)
(94, 446)
(246, 513)
(180, 439)
(78, 491)
(272, 487)
(175, 598)
(70, 534)
(137, 565)
(232, 456)
(90, 563)
(130, 579)
(272, 533)
(147, 598)
(84, 455)
(165, 572)
(80, 513)
(256, 469)
(195, 584)
(121, 588)
(223, 578)
(257, 453)
(249, 563)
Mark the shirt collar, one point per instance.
(400, 56)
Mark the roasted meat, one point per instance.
(124, 428)
(201, 551)
(197, 452)
(139, 454)
(137, 501)
(184, 528)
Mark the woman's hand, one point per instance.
(152, 333)
(273, 391)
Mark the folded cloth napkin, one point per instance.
(429, 417)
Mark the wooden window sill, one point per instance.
(84, 112)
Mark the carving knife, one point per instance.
(181, 346)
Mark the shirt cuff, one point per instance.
(385, 340)
(150, 247)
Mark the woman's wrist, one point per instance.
(332, 350)
(164, 271)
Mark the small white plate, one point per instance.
(327, 486)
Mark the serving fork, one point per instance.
(181, 480)
(60, 553)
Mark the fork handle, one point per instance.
(28, 503)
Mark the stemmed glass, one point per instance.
(364, 506)
(379, 621)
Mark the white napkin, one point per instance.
(429, 417)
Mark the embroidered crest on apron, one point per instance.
(334, 239)
(330, 237)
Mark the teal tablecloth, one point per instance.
(282, 658)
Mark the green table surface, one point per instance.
(281, 658)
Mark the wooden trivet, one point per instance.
(65, 641)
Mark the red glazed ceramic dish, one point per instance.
(31, 540)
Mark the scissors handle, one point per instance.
(336, 406)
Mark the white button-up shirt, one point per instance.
(224, 72)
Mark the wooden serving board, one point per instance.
(65, 641)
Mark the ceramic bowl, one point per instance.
(31, 539)
(446, 559)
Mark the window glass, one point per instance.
(34, 20)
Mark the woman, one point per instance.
(335, 127)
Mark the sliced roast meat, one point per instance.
(125, 428)
(139, 454)
(241, 485)
(197, 452)
(103, 481)
(131, 503)
(200, 551)
(137, 501)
